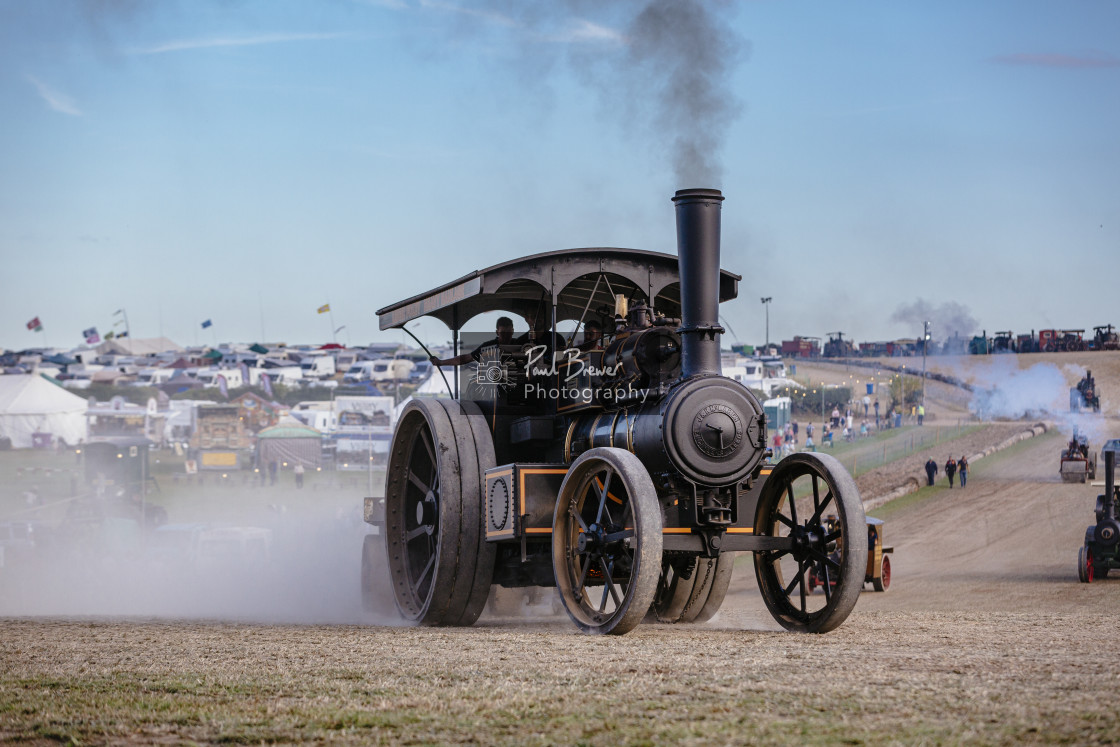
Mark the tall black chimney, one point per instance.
(698, 229)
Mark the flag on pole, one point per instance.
(92, 338)
(244, 373)
(123, 334)
(223, 386)
(110, 335)
(324, 308)
(206, 324)
(266, 384)
(35, 325)
(118, 311)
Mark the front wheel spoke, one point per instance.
(792, 503)
(414, 533)
(834, 536)
(824, 558)
(608, 584)
(603, 496)
(788, 522)
(827, 584)
(578, 590)
(579, 519)
(801, 575)
(820, 509)
(796, 579)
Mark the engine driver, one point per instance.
(503, 336)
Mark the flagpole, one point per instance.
(330, 313)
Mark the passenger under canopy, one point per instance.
(575, 279)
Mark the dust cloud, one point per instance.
(239, 554)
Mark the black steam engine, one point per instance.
(626, 472)
(1101, 551)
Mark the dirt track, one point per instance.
(985, 635)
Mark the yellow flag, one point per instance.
(324, 308)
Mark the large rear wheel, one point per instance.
(440, 564)
(811, 505)
(606, 541)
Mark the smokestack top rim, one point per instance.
(698, 193)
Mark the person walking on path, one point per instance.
(962, 469)
(950, 470)
(931, 471)
(299, 474)
(866, 404)
(835, 417)
(921, 413)
(273, 467)
(876, 414)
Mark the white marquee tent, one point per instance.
(31, 404)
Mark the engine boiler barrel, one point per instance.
(698, 249)
(711, 431)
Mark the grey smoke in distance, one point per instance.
(945, 320)
(662, 67)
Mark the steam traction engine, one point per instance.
(628, 477)
(1101, 551)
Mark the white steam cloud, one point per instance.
(1003, 391)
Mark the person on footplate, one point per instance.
(931, 471)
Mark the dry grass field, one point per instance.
(985, 636)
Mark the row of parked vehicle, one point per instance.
(232, 366)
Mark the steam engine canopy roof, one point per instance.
(573, 276)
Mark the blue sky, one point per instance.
(247, 162)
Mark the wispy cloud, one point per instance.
(498, 19)
(182, 45)
(389, 4)
(581, 30)
(1094, 60)
(58, 101)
